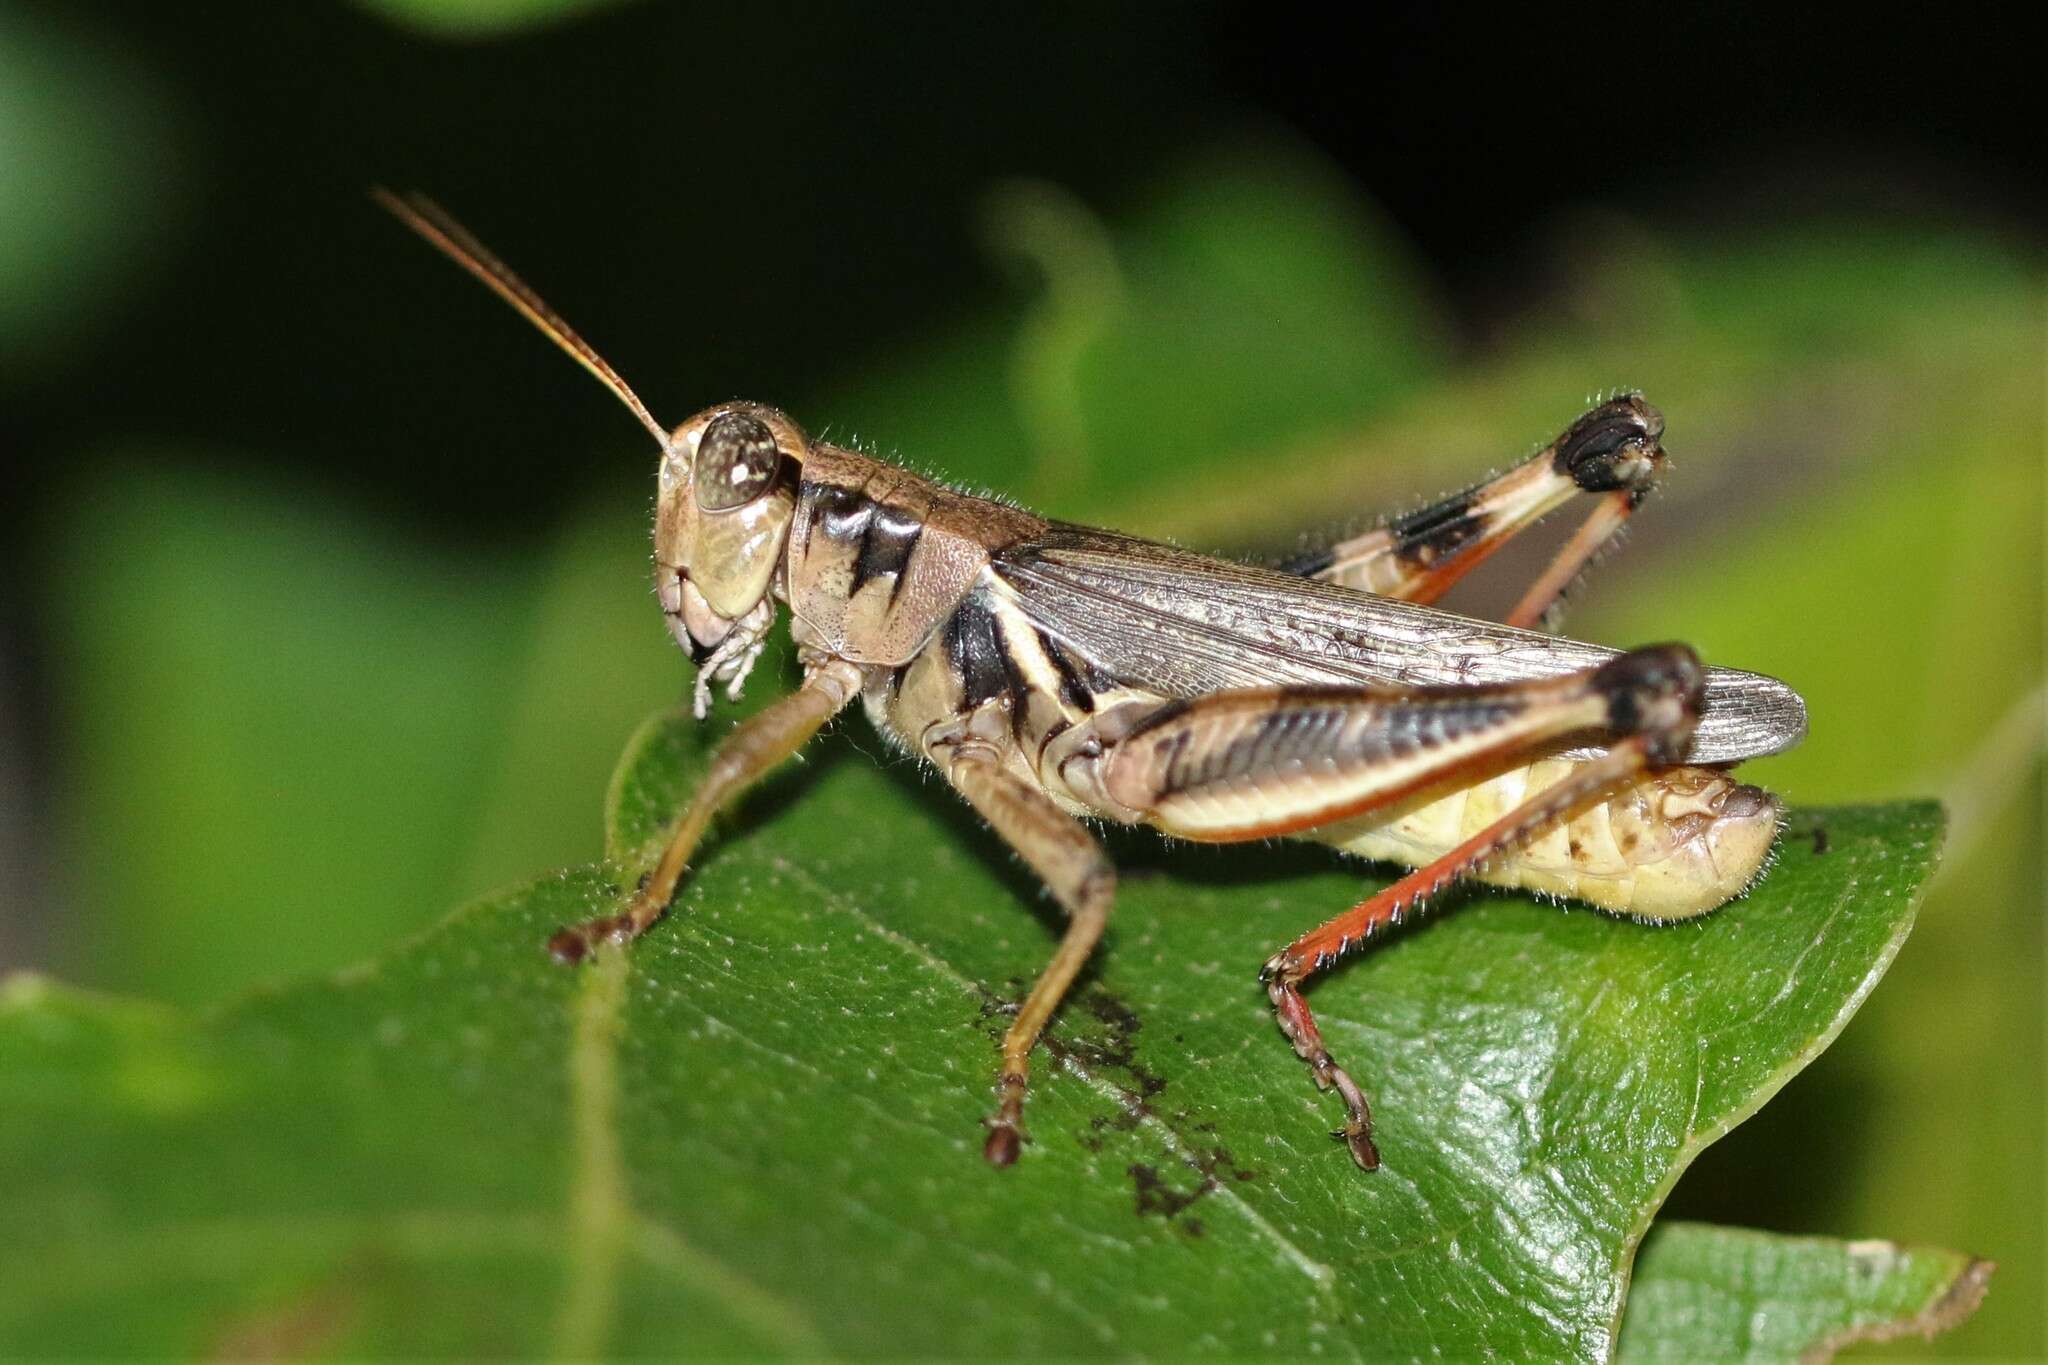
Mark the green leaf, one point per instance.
(1708, 1293)
(758, 1129)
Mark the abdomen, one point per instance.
(1673, 844)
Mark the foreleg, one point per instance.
(754, 747)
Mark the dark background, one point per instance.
(759, 200)
(685, 180)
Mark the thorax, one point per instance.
(880, 558)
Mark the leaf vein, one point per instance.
(1322, 1275)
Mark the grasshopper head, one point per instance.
(727, 494)
(728, 481)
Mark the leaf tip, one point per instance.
(1947, 1310)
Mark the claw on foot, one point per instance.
(568, 946)
(1357, 1129)
(1004, 1139)
(1292, 1013)
(1358, 1137)
(1002, 1146)
(571, 944)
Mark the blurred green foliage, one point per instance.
(477, 19)
(78, 114)
(291, 734)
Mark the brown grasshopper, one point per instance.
(1054, 673)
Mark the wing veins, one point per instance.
(1113, 599)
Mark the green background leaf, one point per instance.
(81, 110)
(1706, 1293)
(759, 1128)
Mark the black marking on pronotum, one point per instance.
(1438, 531)
(845, 512)
(886, 543)
(974, 646)
(1589, 454)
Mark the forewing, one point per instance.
(1184, 624)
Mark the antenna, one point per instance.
(452, 240)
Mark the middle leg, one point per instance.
(1074, 868)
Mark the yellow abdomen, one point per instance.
(1673, 844)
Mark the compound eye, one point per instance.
(736, 462)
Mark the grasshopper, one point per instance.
(1055, 674)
